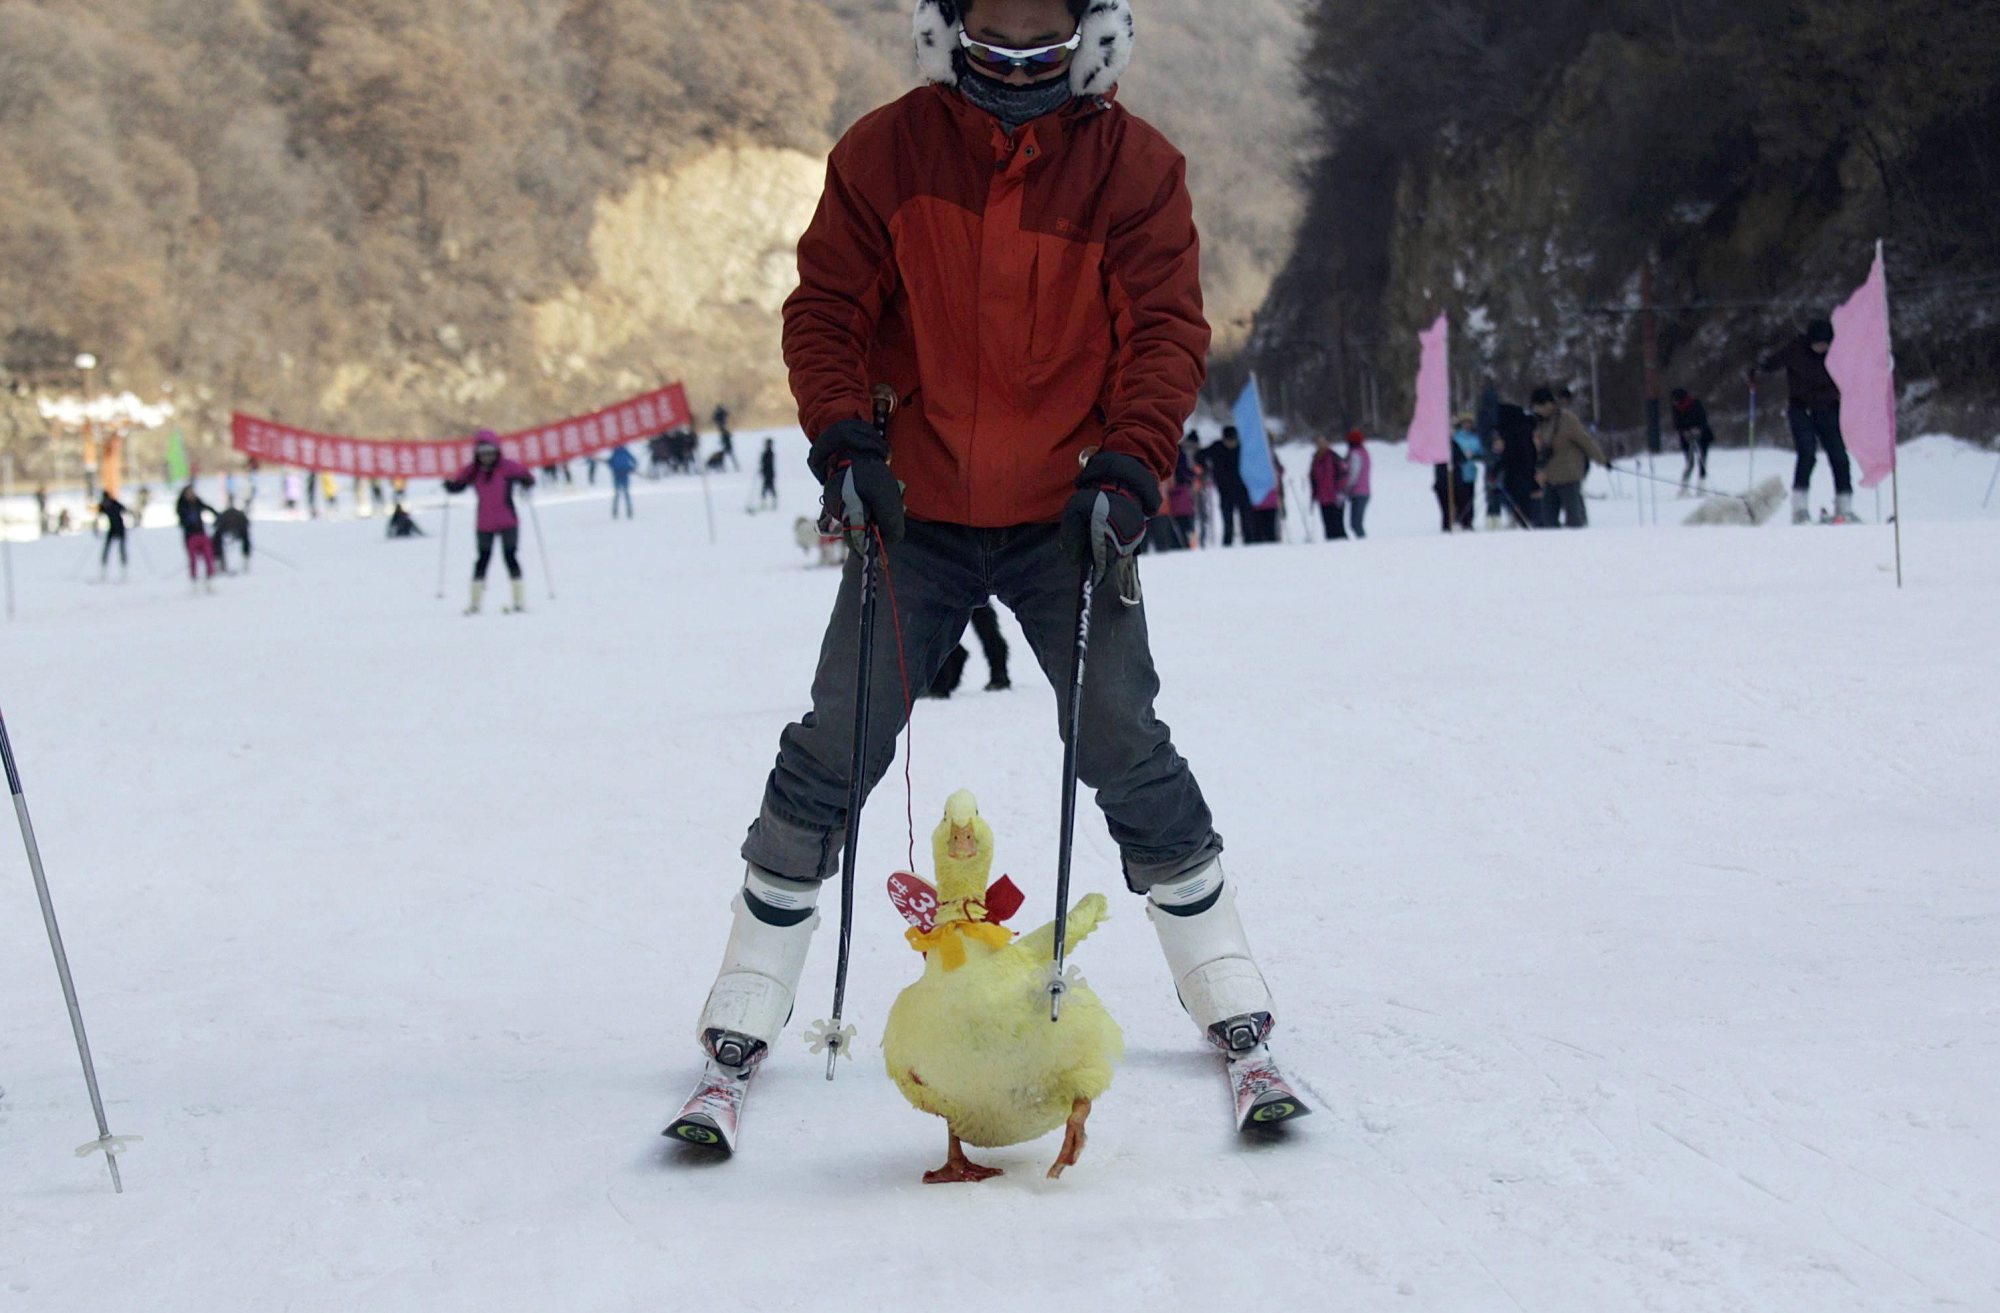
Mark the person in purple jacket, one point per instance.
(492, 477)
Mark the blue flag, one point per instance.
(1260, 477)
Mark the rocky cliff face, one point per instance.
(392, 217)
(1519, 171)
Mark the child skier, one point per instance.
(493, 477)
(1014, 255)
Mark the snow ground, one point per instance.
(1629, 897)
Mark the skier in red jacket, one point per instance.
(1012, 255)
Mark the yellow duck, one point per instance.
(971, 1041)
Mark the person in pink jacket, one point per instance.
(1329, 487)
(492, 478)
(1360, 480)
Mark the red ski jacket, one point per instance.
(1030, 299)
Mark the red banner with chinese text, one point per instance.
(570, 439)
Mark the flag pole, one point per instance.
(1896, 509)
(1895, 454)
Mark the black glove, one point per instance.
(851, 461)
(1105, 520)
(453, 485)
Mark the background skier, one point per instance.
(190, 509)
(945, 211)
(1224, 463)
(1360, 480)
(1691, 426)
(1814, 414)
(493, 477)
(767, 475)
(1329, 487)
(233, 522)
(622, 463)
(114, 513)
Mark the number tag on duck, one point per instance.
(916, 898)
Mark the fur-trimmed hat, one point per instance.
(1100, 61)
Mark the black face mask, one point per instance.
(1013, 105)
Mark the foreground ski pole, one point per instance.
(830, 1034)
(112, 1145)
(1086, 594)
(444, 538)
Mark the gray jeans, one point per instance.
(940, 572)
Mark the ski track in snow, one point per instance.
(1628, 898)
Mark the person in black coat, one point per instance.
(1224, 462)
(1514, 448)
(1691, 425)
(1813, 411)
(767, 474)
(232, 523)
(114, 513)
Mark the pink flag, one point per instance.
(1863, 362)
(1430, 431)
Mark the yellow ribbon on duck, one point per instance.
(947, 939)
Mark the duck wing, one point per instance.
(1086, 916)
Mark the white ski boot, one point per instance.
(1222, 989)
(752, 997)
(478, 597)
(1218, 981)
(520, 598)
(1843, 508)
(1801, 512)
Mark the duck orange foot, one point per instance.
(959, 1169)
(1073, 1138)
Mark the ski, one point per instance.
(713, 1114)
(1263, 1096)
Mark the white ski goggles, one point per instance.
(1002, 60)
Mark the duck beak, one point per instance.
(963, 842)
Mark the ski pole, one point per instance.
(830, 1034)
(111, 1145)
(1989, 487)
(268, 554)
(541, 547)
(1753, 432)
(1086, 594)
(444, 538)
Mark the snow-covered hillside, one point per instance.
(1629, 897)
